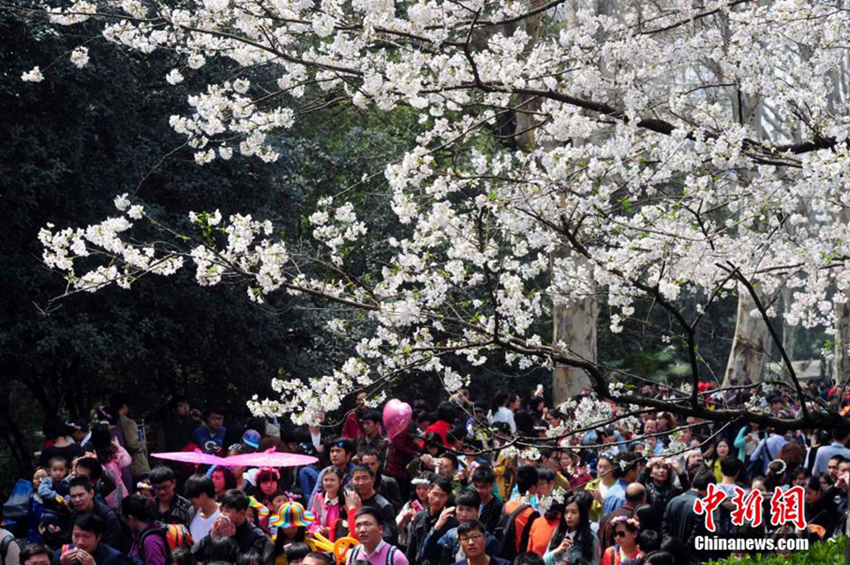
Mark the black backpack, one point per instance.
(506, 532)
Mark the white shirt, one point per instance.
(503, 414)
(728, 490)
(200, 526)
(602, 488)
(378, 548)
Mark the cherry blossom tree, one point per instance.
(570, 150)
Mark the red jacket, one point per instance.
(351, 428)
(441, 428)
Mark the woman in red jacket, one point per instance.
(445, 417)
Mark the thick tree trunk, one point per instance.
(751, 343)
(750, 346)
(574, 323)
(789, 340)
(841, 364)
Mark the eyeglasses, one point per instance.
(620, 534)
(472, 538)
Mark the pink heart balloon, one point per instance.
(397, 417)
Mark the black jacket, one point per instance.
(491, 514)
(388, 488)
(679, 517)
(111, 525)
(680, 521)
(383, 506)
(180, 512)
(248, 537)
(824, 512)
(103, 555)
(422, 548)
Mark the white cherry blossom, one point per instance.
(670, 152)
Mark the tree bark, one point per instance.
(574, 323)
(789, 339)
(841, 364)
(750, 346)
(751, 343)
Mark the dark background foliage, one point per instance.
(75, 141)
(70, 145)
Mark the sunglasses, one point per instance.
(620, 534)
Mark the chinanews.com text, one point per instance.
(710, 543)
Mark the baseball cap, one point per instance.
(251, 438)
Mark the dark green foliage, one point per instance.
(70, 145)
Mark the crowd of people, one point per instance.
(448, 490)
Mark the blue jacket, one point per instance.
(770, 447)
(202, 435)
(615, 497)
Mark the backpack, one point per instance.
(16, 506)
(506, 532)
(756, 467)
(5, 544)
(175, 536)
(119, 493)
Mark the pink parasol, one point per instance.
(196, 457)
(270, 458)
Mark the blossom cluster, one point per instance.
(676, 152)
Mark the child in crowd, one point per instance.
(145, 489)
(53, 491)
(268, 484)
(279, 499)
